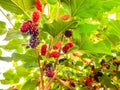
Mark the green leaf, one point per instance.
(10, 77)
(58, 27)
(8, 59)
(110, 4)
(52, 1)
(89, 8)
(29, 85)
(22, 71)
(14, 44)
(118, 74)
(82, 8)
(29, 55)
(115, 27)
(113, 39)
(105, 80)
(0, 52)
(17, 6)
(85, 44)
(16, 56)
(10, 6)
(87, 28)
(101, 47)
(2, 27)
(12, 34)
(79, 63)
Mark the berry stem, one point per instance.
(58, 10)
(49, 47)
(41, 69)
(37, 57)
(42, 72)
(56, 62)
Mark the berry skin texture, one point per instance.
(67, 47)
(57, 45)
(68, 33)
(88, 81)
(30, 27)
(43, 49)
(34, 41)
(49, 70)
(70, 44)
(35, 16)
(49, 73)
(25, 26)
(39, 5)
(33, 30)
(54, 54)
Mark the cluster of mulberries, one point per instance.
(30, 26)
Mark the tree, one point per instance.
(62, 44)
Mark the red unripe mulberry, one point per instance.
(43, 49)
(67, 47)
(57, 45)
(35, 16)
(65, 17)
(39, 5)
(54, 54)
(25, 26)
(14, 88)
(88, 81)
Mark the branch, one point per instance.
(42, 72)
(38, 61)
(63, 83)
(50, 82)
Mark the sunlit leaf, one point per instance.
(17, 6)
(58, 27)
(29, 85)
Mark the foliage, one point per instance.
(94, 56)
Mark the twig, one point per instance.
(41, 69)
(50, 82)
(42, 73)
(63, 83)
(6, 17)
(37, 57)
(116, 87)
